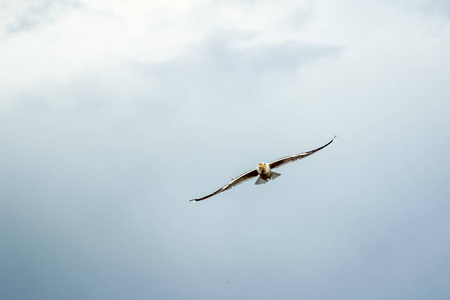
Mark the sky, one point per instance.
(114, 114)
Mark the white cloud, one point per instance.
(94, 33)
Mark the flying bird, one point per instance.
(264, 171)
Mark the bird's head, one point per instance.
(262, 168)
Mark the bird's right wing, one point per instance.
(234, 182)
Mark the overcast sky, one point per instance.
(113, 114)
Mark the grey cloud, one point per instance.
(39, 13)
(239, 73)
(91, 185)
(437, 6)
(434, 7)
(298, 18)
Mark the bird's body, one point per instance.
(263, 171)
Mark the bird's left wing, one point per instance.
(234, 182)
(287, 159)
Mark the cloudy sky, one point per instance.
(113, 114)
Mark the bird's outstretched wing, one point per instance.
(234, 182)
(287, 159)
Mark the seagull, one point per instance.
(264, 171)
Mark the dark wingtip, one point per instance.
(193, 200)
